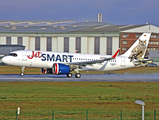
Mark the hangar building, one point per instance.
(69, 36)
(86, 37)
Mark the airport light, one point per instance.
(139, 102)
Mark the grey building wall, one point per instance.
(6, 49)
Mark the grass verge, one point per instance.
(71, 100)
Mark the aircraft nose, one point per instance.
(5, 60)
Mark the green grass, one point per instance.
(70, 100)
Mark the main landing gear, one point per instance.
(69, 75)
(77, 75)
(22, 73)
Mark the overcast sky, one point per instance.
(120, 12)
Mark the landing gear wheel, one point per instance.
(21, 74)
(77, 75)
(69, 75)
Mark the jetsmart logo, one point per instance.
(51, 57)
(37, 55)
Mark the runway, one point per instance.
(101, 77)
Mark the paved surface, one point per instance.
(103, 77)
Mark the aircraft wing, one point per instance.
(84, 63)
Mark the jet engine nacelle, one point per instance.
(59, 68)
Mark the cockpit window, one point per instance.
(13, 54)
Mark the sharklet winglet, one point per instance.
(114, 56)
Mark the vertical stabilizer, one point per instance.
(138, 49)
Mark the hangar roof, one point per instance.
(56, 27)
(141, 29)
(108, 28)
(34, 22)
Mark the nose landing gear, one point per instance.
(22, 73)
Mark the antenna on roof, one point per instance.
(99, 17)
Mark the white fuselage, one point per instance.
(40, 59)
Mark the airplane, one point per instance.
(64, 63)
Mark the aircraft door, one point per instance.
(24, 56)
(122, 62)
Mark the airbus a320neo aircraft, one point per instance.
(65, 63)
